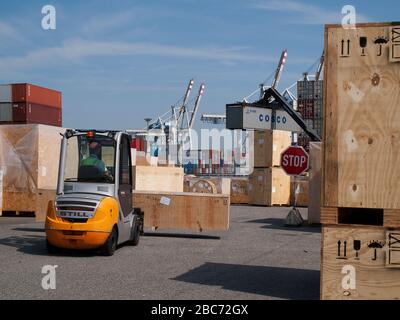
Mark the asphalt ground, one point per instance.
(258, 258)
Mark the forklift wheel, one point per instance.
(110, 246)
(136, 230)
(50, 248)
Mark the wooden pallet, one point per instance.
(388, 218)
(360, 263)
(28, 214)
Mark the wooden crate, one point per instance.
(27, 203)
(388, 218)
(269, 187)
(215, 185)
(300, 184)
(184, 211)
(140, 158)
(268, 146)
(29, 157)
(314, 207)
(362, 122)
(240, 190)
(201, 186)
(166, 179)
(372, 255)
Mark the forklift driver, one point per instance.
(94, 160)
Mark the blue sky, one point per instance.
(120, 61)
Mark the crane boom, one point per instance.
(182, 109)
(279, 70)
(196, 105)
(320, 66)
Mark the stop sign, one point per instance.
(294, 161)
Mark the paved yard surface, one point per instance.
(258, 258)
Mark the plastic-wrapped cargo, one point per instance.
(29, 158)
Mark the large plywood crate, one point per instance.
(268, 146)
(299, 191)
(214, 185)
(239, 190)
(29, 158)
(360, 263)
(314, 207)
(269, 187)
(362, 117)
(183, 211)
(166, 179)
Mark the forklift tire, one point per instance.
(110, 245)
(50, 248)
(135, 233)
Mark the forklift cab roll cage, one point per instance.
(119, 187)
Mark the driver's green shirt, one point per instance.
(92, 160)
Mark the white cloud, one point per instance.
(7, 31)
(74, 50)
(306, 13)
(100, 24)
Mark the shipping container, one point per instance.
(5, 93)
(5, 112)
(34, 113)
(29, 93)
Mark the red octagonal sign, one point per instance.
(294, 161)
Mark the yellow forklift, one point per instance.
(94, 206)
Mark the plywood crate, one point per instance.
(362, 122)
(167, 179)
(140, 158)
(239, 190)
(314, 207)
(360, 263)
(268, 146)
(183, 211)
(29, 157)
(28, 203)
(215, 185)
(269, 187)
(300, 185)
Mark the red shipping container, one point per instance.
(29, 93)
(35, 113)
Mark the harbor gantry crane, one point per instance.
(173, 127)
(276, 77)
(184, 131)
(320, 67)
(183, 112)
(278, 73)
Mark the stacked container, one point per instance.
(310, 106)
(25, 103)
(209, 162)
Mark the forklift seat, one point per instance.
(89, 172)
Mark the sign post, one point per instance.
(294, 161)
